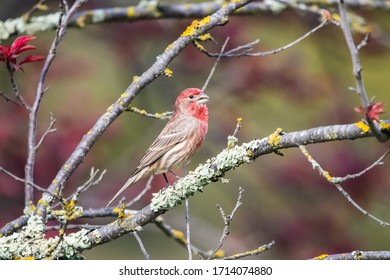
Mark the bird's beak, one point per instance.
(202, 98)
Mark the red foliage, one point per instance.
(9, 54)
(373, 110)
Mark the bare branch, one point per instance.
(49, 130)
(357, 255)
(40, 6)
(246, 50)
(161, 116)
(6, 98)
(353, 176)
(215, 64)
(255, 252)
(92, 181)
(141, 245)
(227, 220)
(179, 237)
(22, 180)
(364, 42)
(357, 70)
(15, 89)
(336, 182)
(33, 116)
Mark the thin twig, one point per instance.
(49, 130)
(336, 182)
(24, 181)
(245, 50)
(37, 7)
(255, 252)
(161, 116)
(227, 220)
(148, 186)
(72, 226)
(179, 237)
(15, 89)
(92, 181)
(141, 245)
(353, 176)
(215, 65)
(364, 42)
(188, 227)
(6, 98)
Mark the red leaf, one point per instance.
(374, 110)
(24, 49)
(20, 42)
(31, 58)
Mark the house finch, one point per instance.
(178, 141)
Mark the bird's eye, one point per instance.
(191, 96)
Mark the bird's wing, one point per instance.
(170, 136)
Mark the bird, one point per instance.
(178, 141)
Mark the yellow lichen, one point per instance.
(384, 126)
(130, 11)
(135, 79)
(199, 46)
(321, 257)
(124, 95)
(219, 254)
(205, 37)
(194, 26)
(81, 21)
(363, 126)
(168, 72)
(274, 138)
(327, 176)
(239, 120)
(29, 258)
(177, 234)
(89, 132)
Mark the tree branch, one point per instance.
(33, 112)
(168, 11)
(357, 70)
(357, 255)
(337, 180)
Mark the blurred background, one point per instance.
(285, 200)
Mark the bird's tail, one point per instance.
(132, 180)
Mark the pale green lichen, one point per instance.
(30, 242)
(204, 174)
(35, 25)
(275, 6)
